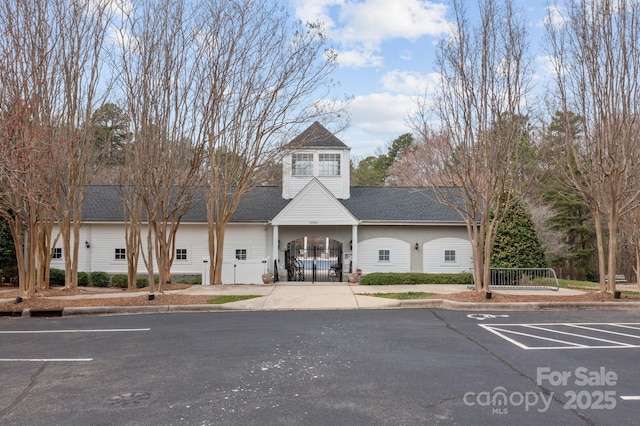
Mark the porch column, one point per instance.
(354, 247)
(274, 254)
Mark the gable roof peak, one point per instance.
(316, 136)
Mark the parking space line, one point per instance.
(46, 359)
(633, 336)
(510, 333)
(582, 336)
(534, 336)
(106, 330)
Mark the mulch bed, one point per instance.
(496, 297)
(43, 300)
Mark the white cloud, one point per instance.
(358, 59)
(373, 21)
(359, 27)
(410, 82)
(555, 17)
(376, 120)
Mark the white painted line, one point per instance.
(508, 339)
(622, 324)
(626, 325)
(582, 336)
(503, 330)
(46, 359)
(600, 330)
(547, 339)
(107, 330)
(630, 397)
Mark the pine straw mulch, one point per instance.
(43, 299)
(497, 297)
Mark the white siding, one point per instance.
(103, 239)
(337, 185)
(433, 256)
(314, 206)
(399, 255)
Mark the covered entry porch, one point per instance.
(314, 253)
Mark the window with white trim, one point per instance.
(384, 255)
(329, 165)
(241, 254)
(302, 164)
(449, 255)
(181, 254)
(57, 253)
(121, 254)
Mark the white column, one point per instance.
(354, 247)
(274, 251)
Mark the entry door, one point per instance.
(314, 263)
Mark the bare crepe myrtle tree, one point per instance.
(596, 52)
(474, 161)
(158, 64)
(49, 63)
(263, 75)
(82, 30)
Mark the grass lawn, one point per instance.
(404, 296)
(219, 300)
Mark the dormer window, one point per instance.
(302, 165)
(329, 165)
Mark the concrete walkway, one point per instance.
(291, 296)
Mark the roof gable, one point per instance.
(314, 205)
(316, 136)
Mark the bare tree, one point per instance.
(159, 63)
(29, 130)
(597, 64)
(413, 167)
(263, 73)
(484, 81)
(82, 27)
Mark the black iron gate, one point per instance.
(315, 263)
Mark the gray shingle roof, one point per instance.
(103, 203)
(394, 204)
(316, 136)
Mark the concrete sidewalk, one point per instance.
(292, 296)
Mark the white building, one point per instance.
(316, 227)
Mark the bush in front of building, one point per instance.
(141, 282)
(399, 278)
(119, 281)
(83, 279)
(56, 276)
(99, 279)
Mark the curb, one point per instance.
(518, 306)
(427, 303)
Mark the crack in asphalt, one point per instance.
(25, 391)
(512, 367)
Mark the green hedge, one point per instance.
(99, 279)
(56, 276)
(119, 280)
(397, 278)
(83, 279)
(142, 282)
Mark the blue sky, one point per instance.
(386, 51)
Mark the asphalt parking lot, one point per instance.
(407, 366)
